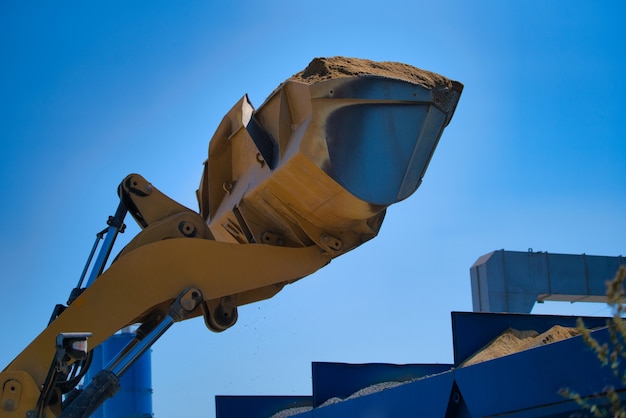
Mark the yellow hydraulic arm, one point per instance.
(286, 188)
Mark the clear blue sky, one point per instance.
(535, 156)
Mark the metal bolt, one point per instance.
(187, 229)
(9, 405)
(187, 304)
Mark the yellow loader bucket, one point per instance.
(325, 154)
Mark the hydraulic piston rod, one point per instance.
(83, 402)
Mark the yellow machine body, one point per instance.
(285, 189)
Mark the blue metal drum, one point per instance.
(134, 399)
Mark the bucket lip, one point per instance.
(386, 89)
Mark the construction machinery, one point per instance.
(286, 187)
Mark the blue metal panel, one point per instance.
(471, 331)
(567, 409)
(423, 398)
(531, 379)
(340, 380)
(257, 406)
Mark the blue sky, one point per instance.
(535, 157)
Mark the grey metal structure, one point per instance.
(512, 281)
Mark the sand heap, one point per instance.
(513, 341)
(285, 413)
(321, 69)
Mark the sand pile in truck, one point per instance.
(513, 341)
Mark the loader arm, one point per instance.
(286, 187)
(157, 273)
